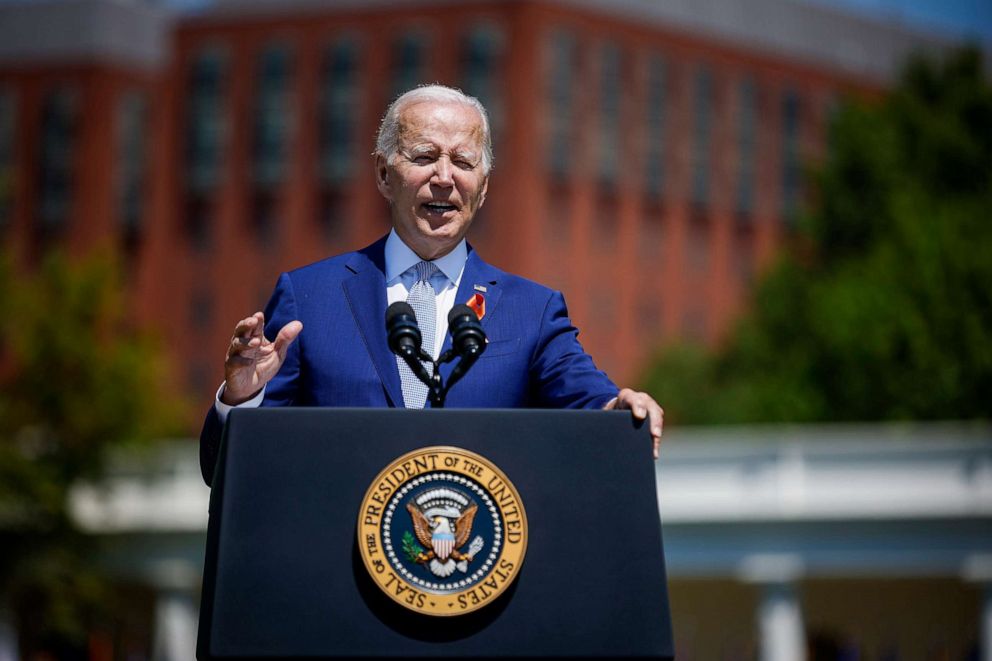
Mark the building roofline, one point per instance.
(826, 37)
(128, 32)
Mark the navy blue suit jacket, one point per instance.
(341, 358)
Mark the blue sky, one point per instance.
(961, 18)
(967, 18)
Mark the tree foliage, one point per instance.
(882, 308)
(77, 379)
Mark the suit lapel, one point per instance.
(478, 273)
(366, 294)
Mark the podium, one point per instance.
(284, 575)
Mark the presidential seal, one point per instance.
(442, 531)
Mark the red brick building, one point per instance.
(649, 156)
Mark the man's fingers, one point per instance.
(237, 360)
(240, 344)
(244, 326)
(286, 336)
(248, 336)
(656, 418)
(657, 425)
(633, 401)
(643, 406)
(250, 326)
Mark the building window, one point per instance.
(206, 137)
(409, 61)
(703, 105)
(791, 162)
(611, 90)
(339, 113)
(59, 124)
(132, 125)
(482, 52)
(656, 97)
(272, 115)
(271, 134)
(747, 114)
(609, 144)
(206, 123)
(562, 65)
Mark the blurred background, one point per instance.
(775, 215)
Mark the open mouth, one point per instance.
(437, 207)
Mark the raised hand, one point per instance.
(252, 360)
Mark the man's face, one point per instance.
(435, 182)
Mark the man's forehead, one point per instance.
(453, 125)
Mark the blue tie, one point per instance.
(422, 299)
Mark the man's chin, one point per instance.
(433, 242)
(437, 222)
(447, 226)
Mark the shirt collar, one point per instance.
(400, 258)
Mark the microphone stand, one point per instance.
(468, 341)
(437, 391)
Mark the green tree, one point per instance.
(881, 307)
(77, 379)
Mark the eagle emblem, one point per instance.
(442, 520)
(464, 540)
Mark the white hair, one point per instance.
(388, 139)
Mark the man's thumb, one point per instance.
(286, 336)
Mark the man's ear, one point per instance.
(485, 189)
(382, 176)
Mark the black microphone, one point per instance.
(468, 340)
(467, 337)
(402, 330)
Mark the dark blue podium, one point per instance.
(284, 576)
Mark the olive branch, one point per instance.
(411, 547)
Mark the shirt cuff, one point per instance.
(223, 409)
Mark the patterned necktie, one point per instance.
(422, 299)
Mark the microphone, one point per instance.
(468, 340)
(404, 339)
(402, 330)
(467, 337)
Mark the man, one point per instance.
(432, 162)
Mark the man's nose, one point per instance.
(442, 172)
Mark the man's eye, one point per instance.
(465, 165)
(423, 159)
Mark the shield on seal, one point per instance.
(443, 540)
